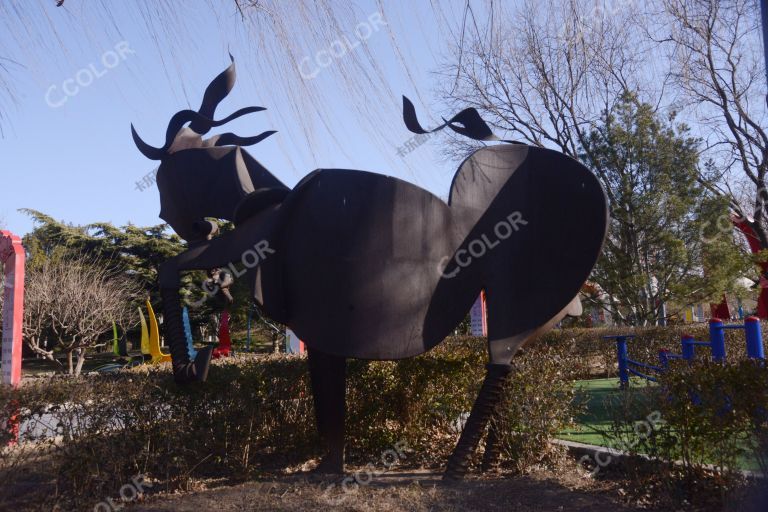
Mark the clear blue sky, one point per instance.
(77, 162)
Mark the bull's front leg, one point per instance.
(214, 253)
(185, 370)
(328, 378)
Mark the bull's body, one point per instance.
(366, 266)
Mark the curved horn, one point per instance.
(148, 151)
(230, 139)
(178, 121)
(206, 122)
(216, 91)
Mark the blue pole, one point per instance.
(622, 356)
(717, 339)
(248, 336)
(754, 338)
(689, 350)
(663, 359)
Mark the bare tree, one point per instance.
(282, 40)
(549, 74)
(545, 71)
(38, 293)
(717, 67)
(74, 301)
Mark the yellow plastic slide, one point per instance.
(154, 338)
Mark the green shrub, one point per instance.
(714, 411)
(255, 414)
(416, 400)
(538, 402)
(712, 417)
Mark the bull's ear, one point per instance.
(574, 308)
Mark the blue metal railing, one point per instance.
(716, 345)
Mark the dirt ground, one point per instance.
(401, 491)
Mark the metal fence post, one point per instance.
(663, 359)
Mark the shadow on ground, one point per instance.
(400, 491)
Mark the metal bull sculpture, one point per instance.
(362, 265)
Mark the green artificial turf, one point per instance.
(600, 399)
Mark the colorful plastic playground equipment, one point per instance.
(156, 355)
(150, 345)
(225, 342)
(188, 333)
(150, 342)
(716, 344)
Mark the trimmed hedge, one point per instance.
(255, 414)
(590, 356)
(706, 417)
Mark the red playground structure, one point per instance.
(225, 342)
(754, 246)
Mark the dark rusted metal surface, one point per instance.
(368, 266)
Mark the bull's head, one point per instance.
(201, 178)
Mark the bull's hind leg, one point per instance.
(482, 410)
(328, 377)
(500, 351)
(492, 452)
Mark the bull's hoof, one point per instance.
(453, 477)
(194, 371)
(455, 471)
(332, 466)
(458, 463)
